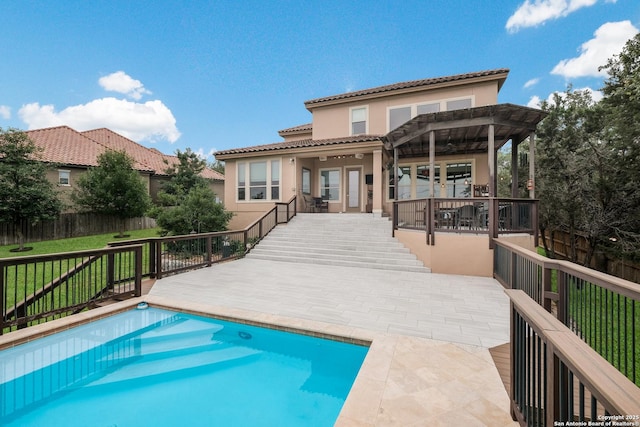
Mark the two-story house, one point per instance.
(430, 142)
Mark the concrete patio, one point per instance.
(428, 363)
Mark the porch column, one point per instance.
(395, 173)
(514, 169)
(532, 170)
(378, 183)
(432, 163)
(491, 148)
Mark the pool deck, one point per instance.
(429, 362)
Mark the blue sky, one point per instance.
(213, 75)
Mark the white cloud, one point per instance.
(121, 82)
(531, 82)
(531, 14)
(535, 100)
(5, 112)
(608, 41)
(151, 121)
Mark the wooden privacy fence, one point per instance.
(71, 225)
(616, 267)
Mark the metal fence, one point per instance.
(39, 288)
(556, 379)
(602, 310)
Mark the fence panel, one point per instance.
(71, 225)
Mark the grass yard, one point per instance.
(75, 243)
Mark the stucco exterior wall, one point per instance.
(333, 121)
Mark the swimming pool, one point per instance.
(158, 367)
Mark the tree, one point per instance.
(26, 196)
(113, 188)
(621, 112)
(218, 166)
(564, 181)
(198, 213)
(186, 203)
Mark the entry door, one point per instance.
(353, 190)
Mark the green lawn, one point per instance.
(75, 243)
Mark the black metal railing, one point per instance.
(39, 288)
(556, 378)
(35, 289)
(175, 254)
(480, 215)
(602, 310)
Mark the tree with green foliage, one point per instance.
(113, 188)
(562, 177)
(218, 166)
(26, 196)
(198, 212)
(621, 113)
(186, 203)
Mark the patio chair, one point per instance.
(321, 205)
(467, 217)
(309, 204)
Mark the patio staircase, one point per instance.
(351, 240)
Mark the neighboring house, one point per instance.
(73, 152)
(368, 150)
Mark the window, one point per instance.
(459, 179)
(358, 120)
(64, 177)
(458, 104)
(428, 108)
(259, 186)
(275, 180)
(451, 180)
(306, 181)
(330, 184)
(404, 182)
(399, 116)
(241, 182)
(423, 188)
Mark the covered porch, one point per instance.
(466, 199)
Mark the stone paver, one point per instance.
(457, 309)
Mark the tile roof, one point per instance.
(151, 157)
(307, 127)
(303, 143)
(66, 146)
(408, 85)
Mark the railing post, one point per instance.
(4, 308)
(110, 270)
(158, 244)
(152, 259)
(395, 218)
(562, 296)
(546, 287)
(209, 243)
(138, 274)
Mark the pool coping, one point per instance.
(396, 384)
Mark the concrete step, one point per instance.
(353, 240)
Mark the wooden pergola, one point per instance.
(467, 131)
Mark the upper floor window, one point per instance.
(64, 177)
(458, 104)
(258, 180)
(399, 115)
(358, 120)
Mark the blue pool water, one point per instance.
(156, 367)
